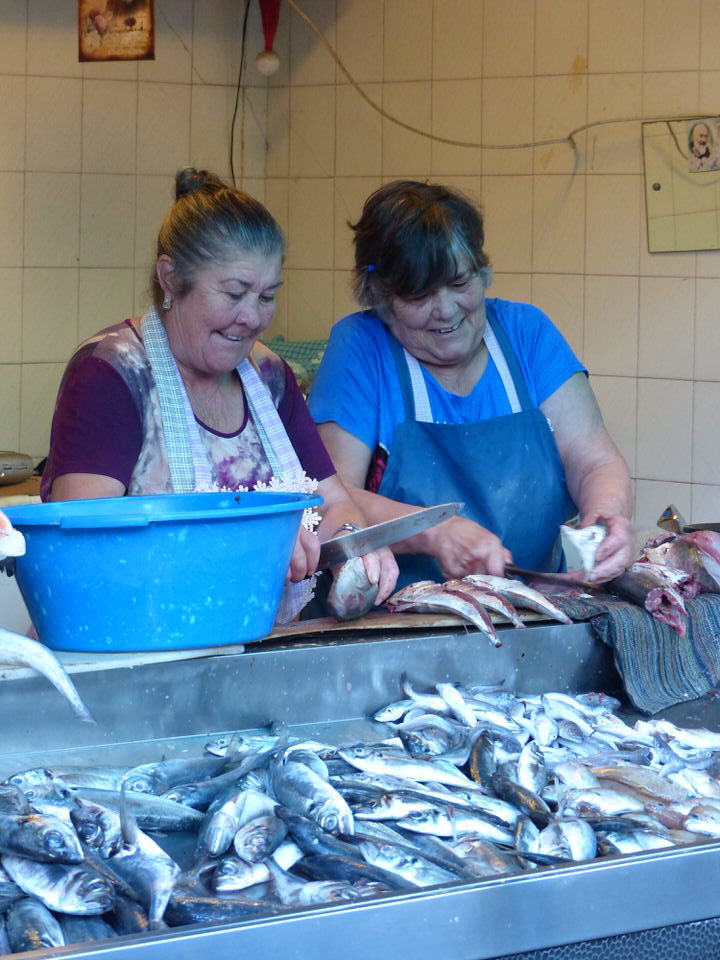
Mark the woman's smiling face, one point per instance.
(212, 328)
(444, 327)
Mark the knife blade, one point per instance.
(548, 577)
(339, 549)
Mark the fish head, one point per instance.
(139, 783)
(51, 838)
(89, 893)
(97, 827)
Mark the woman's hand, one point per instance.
(305, 556)
(462, 546)
(616, 551)
(381, 568)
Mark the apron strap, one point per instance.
(280, 452)
(188, 463)
(414, 388)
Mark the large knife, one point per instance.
(379, 535)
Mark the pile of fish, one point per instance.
(463, 783)
(472, 597)
(671, 569)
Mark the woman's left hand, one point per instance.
(616, 551)
(305, 556)
(381, 568)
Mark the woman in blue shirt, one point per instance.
(436, 393)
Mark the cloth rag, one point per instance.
(659, 668)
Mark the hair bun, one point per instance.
(188, 180)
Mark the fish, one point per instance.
(521, 595)
(351, 595)
(425, 596)
(302, 790)
(31, 926)
(42, 837)
(85, 929)
(487, 598)
(586, 542)
(157, 778)
(259, 837)
(19, 651)
(644, 585)
(62, 887)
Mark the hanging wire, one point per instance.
(568, 139)
(237, 91)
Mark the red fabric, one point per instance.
(270, 14)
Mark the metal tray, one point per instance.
(329, 689)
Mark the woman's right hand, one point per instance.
(305, 556)
(462, 546)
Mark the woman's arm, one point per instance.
(85, 486)
(597, 475)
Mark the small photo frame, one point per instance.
(116, 30)
(703, 140)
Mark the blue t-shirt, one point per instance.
(356, 386)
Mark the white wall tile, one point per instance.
(52, 39)
(614, 209)
(671, 34)
(109, 126)
(10, 315)
(12, 122)
(358, 132)
(350, 195)
(558, 224)
(508, 39)
(163, 132)
(105, 297)
(670, 94)
(251, 149)
(343, 301)
(709, 31)
(277, 200)
(611, 325)
(142, 294)
(706, 436)
(664, 411)
(12, 218)
(705, 503)
(103, 200)
(707, 330)
(52, 219)
(456, 115)
(512, 286)
(501, 127)
(560, 106)
(310, 61)
(402, 150)
(310, 216)
(615, 147)
(457, 36)
(360, 39)
(211, 118)
(173, 44)
(667, 313)
(613, 50)
(40, 382)
(277, 162)
(407, 47)
(507, 208)
(564, 50)
(311, 295)
(10, 405)
(561, 298)
(50, 314)
(312, 131)
(53, 123)
(153, 198)
(217, 29)
(617, 399)
(651, 498)
(13, 37)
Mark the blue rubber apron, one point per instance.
(506, 470)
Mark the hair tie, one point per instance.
(371, 268)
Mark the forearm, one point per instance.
(604, 491)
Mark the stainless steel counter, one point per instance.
(329, 689)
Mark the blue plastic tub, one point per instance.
(169, 572)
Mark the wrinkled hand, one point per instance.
(616, 551)
(462, 546)
(305, 556)
(381, 568)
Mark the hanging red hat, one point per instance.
(268, 61)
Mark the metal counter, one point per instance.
(328, 689)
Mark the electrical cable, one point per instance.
(569, 139)
(237, 92)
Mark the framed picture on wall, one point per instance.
(116, 30)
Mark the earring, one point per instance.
(167, 301)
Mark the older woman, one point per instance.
(185, 399)
(435, 393)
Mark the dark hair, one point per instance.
(412, 238)
(208, 223)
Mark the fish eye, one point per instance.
(54, 840)
(87, 830)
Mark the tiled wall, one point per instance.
(565, 229)
(88, 154)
